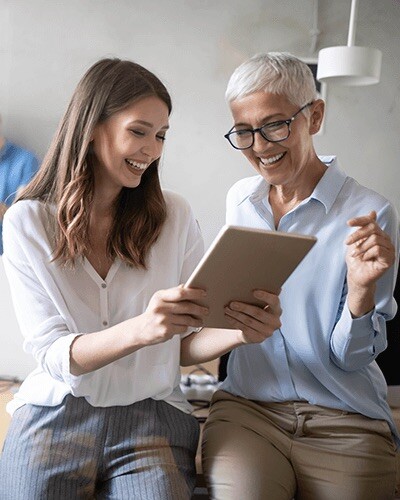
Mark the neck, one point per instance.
(295, 193)
(284, 198)
(2, 142)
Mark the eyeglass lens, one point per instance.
(272, 132)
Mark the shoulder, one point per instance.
(357, 193)
(180, 216)
(25, 212)
(358, 200)
(176, 202)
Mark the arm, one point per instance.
(49, 329)
(360, 332)
(169, 312)
(251, 324)
(208, 344)
(370, 254)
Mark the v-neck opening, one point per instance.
(96, 276)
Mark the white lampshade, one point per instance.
(349, 65)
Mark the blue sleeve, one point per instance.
(356, 342)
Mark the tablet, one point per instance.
(241, 260)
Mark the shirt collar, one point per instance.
(325, 191)
(329, 186)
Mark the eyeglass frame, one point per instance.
(259, 129)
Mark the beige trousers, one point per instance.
(277, 451)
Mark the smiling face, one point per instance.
(127, 143)
(289, 163)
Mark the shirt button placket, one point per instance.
(104, 305)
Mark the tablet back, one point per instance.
(241, 260)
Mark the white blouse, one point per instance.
(54, 304)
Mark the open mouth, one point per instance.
(272, 159)
(136, 165)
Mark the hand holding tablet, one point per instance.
(241, 260)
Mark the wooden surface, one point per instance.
(5, 397)
(211, 366)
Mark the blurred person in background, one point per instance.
(17, 167)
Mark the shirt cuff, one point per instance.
(58, 359)
(357, 327)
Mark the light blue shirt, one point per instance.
(17, 167)
(320, 354)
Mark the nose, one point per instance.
(152, 148)
(260, 143)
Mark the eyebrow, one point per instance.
(148, 124)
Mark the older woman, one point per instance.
(303, 411)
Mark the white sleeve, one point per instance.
(38, 303)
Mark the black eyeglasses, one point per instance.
(271, 132)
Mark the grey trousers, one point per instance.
(143, 451)
(281, 451)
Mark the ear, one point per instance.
(317, 115)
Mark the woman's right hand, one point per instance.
(170, 312)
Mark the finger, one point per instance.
(382, 256)
(253, 316)
(273, 306)
(186, 307)
(250, 336)
(271, 299)
(186, 320)
(363, 219)
(180, 293)
(243, 321)
(177, 329)
(363, 233)
(254, 330)
(373, 241)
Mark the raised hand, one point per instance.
(370, 251)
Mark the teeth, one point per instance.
(140, 166)
(273, 159)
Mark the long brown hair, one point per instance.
(65, 178)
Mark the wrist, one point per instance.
(360, 299)
(240, 338)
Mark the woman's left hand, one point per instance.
(256, 323)
(370, 251)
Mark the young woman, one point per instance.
(95, 252)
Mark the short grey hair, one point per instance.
(275, 72)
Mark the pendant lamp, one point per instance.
(349, 65)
